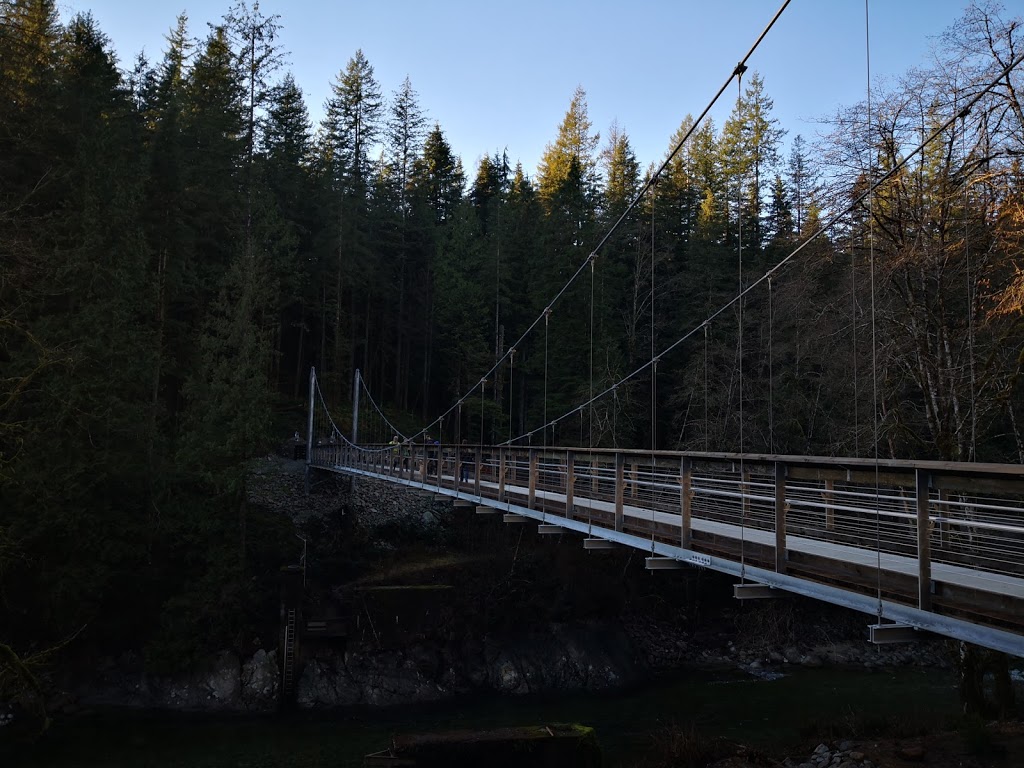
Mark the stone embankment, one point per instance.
(222, 684)
(842, 755)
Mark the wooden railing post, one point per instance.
(532, 497)
(620, 482)
(479, 470)
(570, 482)
(502, 464)
(780, 517)
(685, 500)
(924, 556)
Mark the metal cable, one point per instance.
(639, 195)
(365, 388)
(739, 335)
(970, 297)
(874, 343)
(654, 368)
(707, 423)
(824, 227)
(540, 473)
(771, 377)
(856, 374)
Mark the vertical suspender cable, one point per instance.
(740, 69)
(654, 371)
(856, 351)
(874, 341)
(771, 377)
(707, 424)
(511, 399)
(483, 386)
(540, 464)
(511, 393)
(590, 435)
(591, 439)
(970, 293)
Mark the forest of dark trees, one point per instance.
(180, 244)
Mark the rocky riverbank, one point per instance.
(444, 603)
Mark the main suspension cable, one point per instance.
(824, 227)
(636, 200)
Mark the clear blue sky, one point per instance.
(501, 75)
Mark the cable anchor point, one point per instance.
(740, 69)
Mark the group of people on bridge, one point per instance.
(402, 452)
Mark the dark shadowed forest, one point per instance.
(179, 244)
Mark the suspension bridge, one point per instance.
(919, 546)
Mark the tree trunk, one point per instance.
(298, 356)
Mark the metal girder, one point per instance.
(662, 564)
(598, 544)
(753, 592)
(880, 634)
(512, 517)
(483, 509)
(463, 503)
(548, 529)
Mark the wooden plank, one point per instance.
(501, 475)
(685, 500)
(532, 495)
(478, 470)
(780, 517)
(620, 466)
(841, 474)
(570, 482)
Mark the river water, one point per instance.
(794, 711)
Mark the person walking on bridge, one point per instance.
(395, 450)
(464, 463)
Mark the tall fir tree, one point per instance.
(349, 130)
